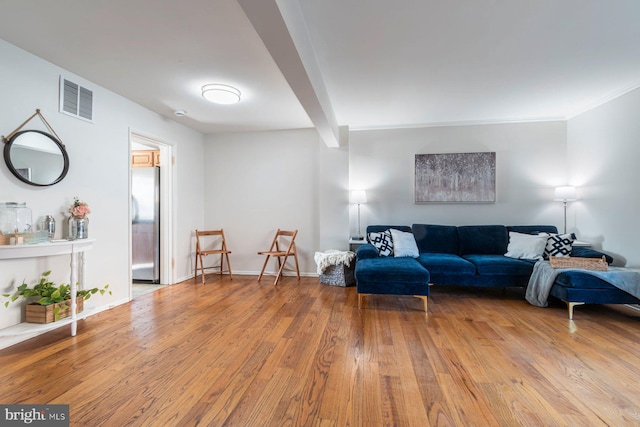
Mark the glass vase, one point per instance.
(78, 228)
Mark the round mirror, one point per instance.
(36, 157)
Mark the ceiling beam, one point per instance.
(280, 25)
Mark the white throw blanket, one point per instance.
(543, 276)
(333, 257)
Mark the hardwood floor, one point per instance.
(242, 353)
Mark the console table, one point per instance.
(74, 248)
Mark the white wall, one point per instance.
(259, 182)
(98, 174)
(530, 161)
(333, 192)
(603, 152)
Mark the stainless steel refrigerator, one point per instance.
(145, 226)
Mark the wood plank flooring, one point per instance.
(242, 353)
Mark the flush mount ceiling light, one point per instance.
(221, 94)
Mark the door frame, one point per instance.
(166, 205)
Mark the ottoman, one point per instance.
(391, 276)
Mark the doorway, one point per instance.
(150, 214)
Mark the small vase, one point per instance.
(78, 228)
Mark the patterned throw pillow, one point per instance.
(558, 244)
(382, 242)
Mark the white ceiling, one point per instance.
(367, 64)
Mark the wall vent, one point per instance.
(76, 100)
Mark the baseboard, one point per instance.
(273, 273)
(256, 273)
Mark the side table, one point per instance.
(354, 244)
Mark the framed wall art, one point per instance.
(455, 178)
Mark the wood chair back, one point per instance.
(283, 238)
(211, 242)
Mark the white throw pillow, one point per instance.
(404, 244)
(526, 246)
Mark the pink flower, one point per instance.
(79, 209)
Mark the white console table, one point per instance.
(74, 248)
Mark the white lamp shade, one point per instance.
(565, 194)
(358, 197)
(221, 94)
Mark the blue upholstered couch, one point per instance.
(472, 256)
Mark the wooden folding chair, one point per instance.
(209, 239)
(274, 251)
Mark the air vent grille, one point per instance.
(76, 100)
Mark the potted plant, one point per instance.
(53, 301)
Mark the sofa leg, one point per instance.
(424, 300)
(570, 306)
(360, 299)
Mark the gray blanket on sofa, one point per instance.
(543, 276)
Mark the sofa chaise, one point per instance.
(389, 275)
(472, 255)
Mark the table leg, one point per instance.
(74, 291)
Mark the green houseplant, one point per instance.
(47, 293)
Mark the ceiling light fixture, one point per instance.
(221, 94)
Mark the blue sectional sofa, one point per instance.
(472, 256)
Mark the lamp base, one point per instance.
(357, 237)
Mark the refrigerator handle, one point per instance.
(135, 209)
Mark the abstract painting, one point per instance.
(455, 178)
